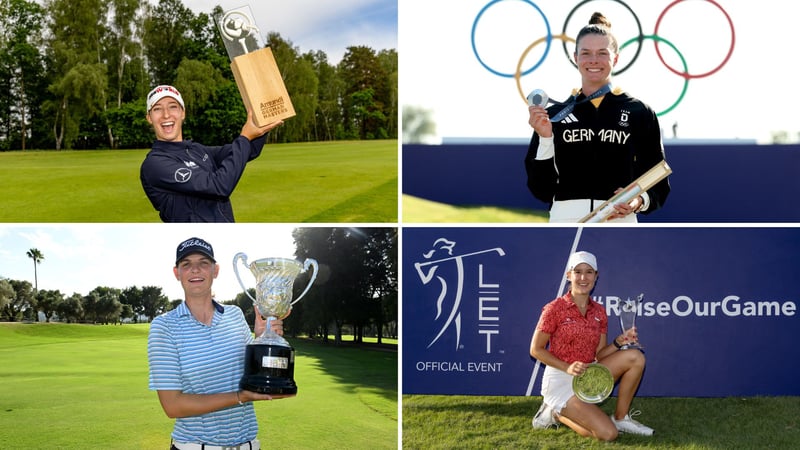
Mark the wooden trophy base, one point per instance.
(261, 86)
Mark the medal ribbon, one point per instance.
(569, 105)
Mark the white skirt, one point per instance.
(556, 388)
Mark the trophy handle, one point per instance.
(236, 259)
(308, 262)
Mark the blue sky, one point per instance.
(330, 26)
(80, 257)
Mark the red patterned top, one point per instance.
(573, 337)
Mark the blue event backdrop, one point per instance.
(718, 318)
(710, 183)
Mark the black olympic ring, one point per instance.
(639, 39)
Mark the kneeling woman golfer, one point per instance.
(576, 327)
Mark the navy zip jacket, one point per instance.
(189, 182)
(598, 150)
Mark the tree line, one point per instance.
(356, 288)
(75, 73)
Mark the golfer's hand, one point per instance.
(261, 323)
(540, 121)
(250, 396)
(251, 131)
(630, 336)
(577, 368)
(624, 209)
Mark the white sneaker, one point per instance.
(544, 418)
(628, 425)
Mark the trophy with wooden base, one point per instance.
(269, 360)
(254, 68)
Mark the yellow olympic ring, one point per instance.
(518, 72)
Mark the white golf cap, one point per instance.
(160, 92)
(581, 257)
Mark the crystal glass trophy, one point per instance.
(257, 76)
(627, 318)
(269, 360)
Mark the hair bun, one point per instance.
(599, 19)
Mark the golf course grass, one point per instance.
(319, 182)
(419, 210)
(85, 386)
(495, 422)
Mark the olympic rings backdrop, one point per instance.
(471, 62)
(638, 40)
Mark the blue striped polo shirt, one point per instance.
(189, 356)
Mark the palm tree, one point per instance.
(37, 257)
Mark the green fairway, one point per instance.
(85, 386)
(418, 210)
(341, 181)
(443, 422)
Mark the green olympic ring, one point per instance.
(656, 38)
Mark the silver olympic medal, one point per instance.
(538, 97)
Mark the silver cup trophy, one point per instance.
(269, 360)
(627, 318)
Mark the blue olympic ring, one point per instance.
(510, 75)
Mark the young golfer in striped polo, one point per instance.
(196, 355)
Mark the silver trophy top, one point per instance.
(274, 281)
(239, 31)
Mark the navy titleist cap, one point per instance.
(193, 245)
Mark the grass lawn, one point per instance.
(439, 422)
(341, 181)
(85, 386)
(418, 210)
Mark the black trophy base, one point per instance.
(269, 369)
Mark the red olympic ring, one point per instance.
(686, 74)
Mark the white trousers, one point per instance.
(571, 211)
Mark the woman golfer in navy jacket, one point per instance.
(187, 181)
